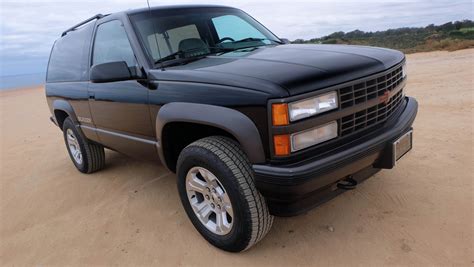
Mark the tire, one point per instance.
(92, 155)
(226, 162)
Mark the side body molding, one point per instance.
(229, 120)
(65, 106)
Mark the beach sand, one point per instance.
(420, 213)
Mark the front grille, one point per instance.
(366, 91)
(368, 117)
(364, 104)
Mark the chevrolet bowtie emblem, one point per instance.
(385, 97)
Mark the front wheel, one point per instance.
(216, 187)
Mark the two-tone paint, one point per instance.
(230, 92)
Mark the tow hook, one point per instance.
(347, 184)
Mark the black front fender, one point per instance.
(229, 120)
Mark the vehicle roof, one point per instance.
(169, 7)
(141, 10)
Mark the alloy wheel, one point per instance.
(209, 200)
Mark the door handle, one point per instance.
(91, 95)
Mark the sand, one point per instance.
(420, 213)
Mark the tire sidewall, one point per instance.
(68, 124)
(239, 236)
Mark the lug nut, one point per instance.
(212, 205)
(213, 190)
(219, 206)
(208, 189)
(207, 197)
(220, 199)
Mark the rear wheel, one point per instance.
(88, 157)
(216, 187)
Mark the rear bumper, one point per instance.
(290, 190)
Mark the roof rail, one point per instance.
(98, 16)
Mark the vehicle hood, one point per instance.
(295, 68)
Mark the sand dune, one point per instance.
(420, 213)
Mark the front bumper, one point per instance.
(293, 189)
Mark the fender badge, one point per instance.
(83, 119)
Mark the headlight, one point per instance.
(313, 136)
(311, 106)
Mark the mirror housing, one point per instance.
(285, 41)
(110, 72)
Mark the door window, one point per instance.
(111, 44)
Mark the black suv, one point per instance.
(252, 125)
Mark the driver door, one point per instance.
(120, 110)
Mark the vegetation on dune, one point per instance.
(449, 36)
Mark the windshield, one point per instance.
(194, 32)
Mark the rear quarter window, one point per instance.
(69, 57)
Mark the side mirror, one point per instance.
(285, 41)
(110, 72)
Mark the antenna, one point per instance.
(154, 34)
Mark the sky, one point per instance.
(29, 28)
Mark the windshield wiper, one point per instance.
(173, 56)
(252, 39)
(170, 56)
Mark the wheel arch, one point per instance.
(224, 121)
(61, 110)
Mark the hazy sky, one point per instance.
(29, 28)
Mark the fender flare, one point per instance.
(65, 106)
(234, 122)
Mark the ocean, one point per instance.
(21, 80)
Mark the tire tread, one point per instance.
(93, 153)
(236, 160)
